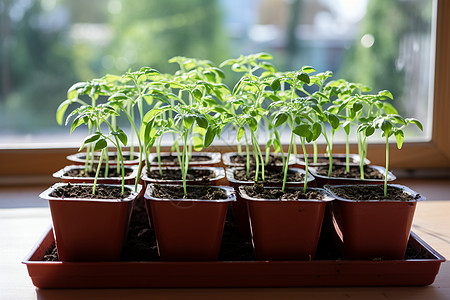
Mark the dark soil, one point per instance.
(85, 192)
(242, 159)
(340, 171)
(372, 192)
(112, 172)
(173, 159)
(177, 192)
(326, 160)
(175, 174)
(112, 158)
(272, 175)
(141, 243)
(258, 191)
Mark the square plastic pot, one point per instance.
(227, 161)
(285, 230)
(89, 229)
(188, 229)
(338, 159)
(239, 207)
(80, 158)
(129, 179)
(321, 180)
(373, 229)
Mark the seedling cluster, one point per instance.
(193, 105)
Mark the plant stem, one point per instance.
(305, 155)
(347, 154)
(287, 162)
(247, 150)
(98, 171)
(315, 152)
(387, 167)
(255, 154)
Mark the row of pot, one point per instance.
(256, 217)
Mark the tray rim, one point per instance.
(289, 268)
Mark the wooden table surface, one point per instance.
(24, 218)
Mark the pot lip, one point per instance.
(75, 157)
(215, 158)
(406, 189)
(218, 171)
(355, 156)
(391, 176)
(226, 158)
(60, 173)
(230, 176)
(328, 196)
(46, 194)
(231, 196)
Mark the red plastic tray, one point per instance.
(157, 274)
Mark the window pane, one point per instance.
(47, 45)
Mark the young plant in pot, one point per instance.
(188, 220)
(374, 221)
(286, 222)
(362, 109)
(100, 213)
(191, 126)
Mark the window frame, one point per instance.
(39, 164)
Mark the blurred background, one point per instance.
(47, 45)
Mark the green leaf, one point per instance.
(61, 110)
(276, 145)
(202, 121)
(198, 143)
(275, 84)
(91, 138)
(385, 95)
(416, 122)
(151, 114)
(346, 127)
(386, 126)
(389, 109)
(209, 136)
(280, 118)
(303, 130)
(197, 93)
(304, 77)
(100, 144)
(399, 137)
(370, 130)
(357, 106)
(252, 123)
(240, 133)
(316, 131)
(263, 55)
(188, 120)
(122, 137)
(333, 120)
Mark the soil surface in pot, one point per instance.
(340, 172)
(141, 243)
(372, 192)
(112, 158)
(173, 159)
(273, 175)
(258, 191)
(112, 172)
(85, 192)
(193, 192)
(326, 160)
(175, 174)
(242, 159)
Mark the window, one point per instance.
(88, 32)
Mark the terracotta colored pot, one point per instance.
(89, 229)
(355, 160)
(239, 207)
(211, 159)
(188, 229)
(80, 158)
(373, 229)
(129, 179)
(226, 158)
(321, 180)
(285, 230)
(218, 179)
